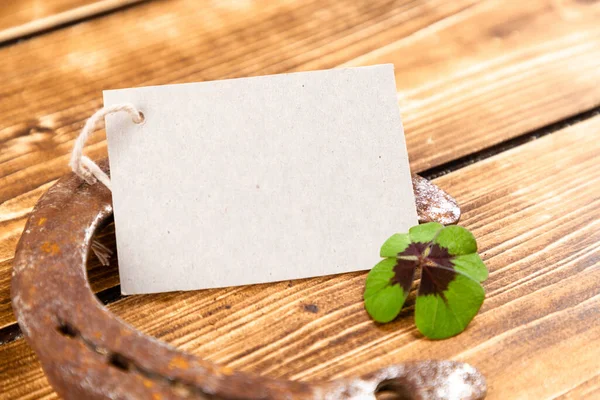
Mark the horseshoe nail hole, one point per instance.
(67, 330)
(119, 361)
(393, 390)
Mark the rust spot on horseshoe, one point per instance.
(50, 248)
(178, 362)
(87, 353)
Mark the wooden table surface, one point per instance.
(501, 106)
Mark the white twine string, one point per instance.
(85, 168)
(89, 171)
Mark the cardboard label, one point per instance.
(257, 179)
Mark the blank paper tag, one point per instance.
(258, 179)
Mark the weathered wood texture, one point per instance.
(469, 74)
(535, 211)
(27, 17)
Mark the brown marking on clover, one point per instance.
(437, 270)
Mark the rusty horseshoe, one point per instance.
(88, 353)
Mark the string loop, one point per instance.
(81, 165)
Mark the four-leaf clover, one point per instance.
(449, 294)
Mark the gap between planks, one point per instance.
(62, 19)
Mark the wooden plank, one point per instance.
(119, 51)
(24, 18)
(456, 98)
(123, 53)
(535, 211)
(490, 73)
(34, 151)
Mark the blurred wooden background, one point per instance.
(501, 106)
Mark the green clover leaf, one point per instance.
(382, 300)
(394, 245)
(449, 294)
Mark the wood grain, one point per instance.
(589, 389)
(535, 211)
(469, 74)
(171, 46)
(34, 150)
(491, 73)
(23, 18)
